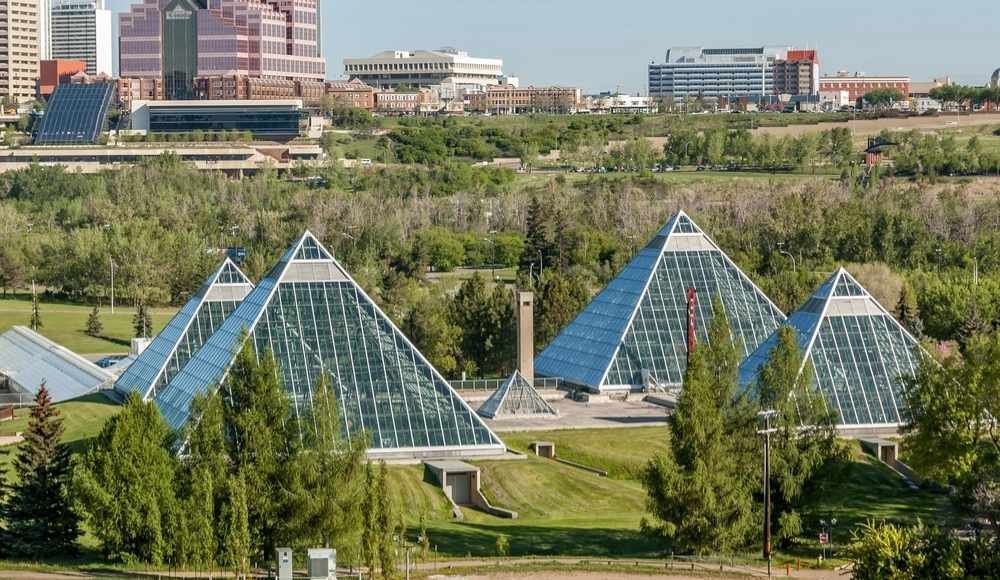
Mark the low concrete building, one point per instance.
(419, 68)
(266, 119)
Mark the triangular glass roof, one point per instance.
(636, 328)
(317, 321)
(859, 353)
(516, 397)
(186, 332)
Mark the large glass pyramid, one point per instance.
(186, 332)
(859, 353)
(635, 330)
(516, 398)
(317, 321)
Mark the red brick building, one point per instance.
(54, 72)
(858, 84)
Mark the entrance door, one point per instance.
(459, 483)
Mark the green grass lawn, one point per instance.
(620, 452)
(83, 419)
(65, 324)
(567, 511)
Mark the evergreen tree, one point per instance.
(486, 318)
(236, 544)
(699, 494)
(560, 298)
(125, 485)
(40, 519)
(907, 311)
(370, 531)
(538, 246)
(142, 322)
(387, 521)
(35, 322)
(975, 324)
(94, 325)
(258, 422)
(806, 436)
(202, 483)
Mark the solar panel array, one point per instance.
(75, 114)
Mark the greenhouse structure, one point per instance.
(633, 335)
(324, 330)
(516, 398)
(859, 354)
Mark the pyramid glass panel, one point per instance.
(516, 397)
(636, 328)
(859, 353)
(319, 323)
(186, 332)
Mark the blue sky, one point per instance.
(602, 45)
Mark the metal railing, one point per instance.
(494, 384)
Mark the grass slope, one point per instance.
(570, 512)
(65, 324)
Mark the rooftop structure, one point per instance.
(186, 332)
(716, 72)
(418, 68)
(76, 114)
(633, 335)
(859, 353)
(180, 40)
(516, 397)
(266, 119)
(28, 359)
(321, 325)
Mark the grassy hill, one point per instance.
(568, 511)
(65, 324)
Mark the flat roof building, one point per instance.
(859, 354)
(634, 334)
(858, 84)
(419, 68)
(81, 30)
(28, 359)
(277, 119)
(324, 329)
(19, 49)
(716, 72)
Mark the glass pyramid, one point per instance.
(636, 328)
(186, 332)
(318, 321)
(516, 397)
(859, 353)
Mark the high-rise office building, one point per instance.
(81, 30)
(179, 41)
(734, 72)
(44, 29)
(18, 49)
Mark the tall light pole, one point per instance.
(766, 432)
(112, 260)
(784, 252)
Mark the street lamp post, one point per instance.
(766, 432)
(112, 260)
(784, 252)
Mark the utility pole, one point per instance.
(766, 432)
(112, 260)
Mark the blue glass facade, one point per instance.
(319, 323)
(636, 328)
(186, 332)
(859, 353)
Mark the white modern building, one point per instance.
(419, 68)
(81, 30)
(44, 29)
(716, 72)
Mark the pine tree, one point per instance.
(35, 322)
(806, 436)
(540, 233)
(236, 542)
(94, 325)
(39, 515)
(142, 322)
(907, 311)
(560, 299)
(699, 493)
(386, 525)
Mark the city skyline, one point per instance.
(599, 50)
